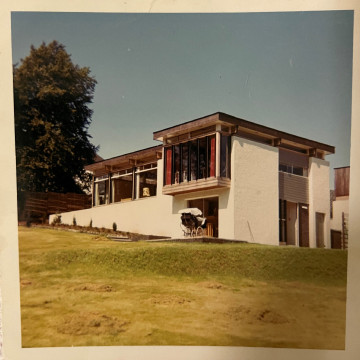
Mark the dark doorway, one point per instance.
(336, 239)
(320, 219)
(304, 225)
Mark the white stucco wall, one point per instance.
(151, 216)
(319, 198)
(255, 191)
(340, 205)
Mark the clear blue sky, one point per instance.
(289, 71)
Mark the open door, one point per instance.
(210, 210)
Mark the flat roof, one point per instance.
(243, 127)
(123, 161)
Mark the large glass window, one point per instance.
(225, 156)
(147, 181)
(122, 187)
(211, 155)
(196, 159)
(184, 162)
(101, 190)
(193, 159)
(126, 185)
(202, 174)
(177, 162)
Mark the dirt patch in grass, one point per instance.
(94, 287)
(92, 323)
(169, 300)
(101, 238)
(271, 317)
(249, 315)
(212, 285)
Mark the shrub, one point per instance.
(114, 226)
(90, 225)
(74, 221)
(56, 220)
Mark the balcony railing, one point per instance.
(196, 185)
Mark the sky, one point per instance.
(288, 71)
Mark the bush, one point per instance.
(56, 220)
(74, 221)
(114, 226)
(90, 225)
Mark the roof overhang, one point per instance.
(245, 128)
(125, 161)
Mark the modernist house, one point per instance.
(253, 183)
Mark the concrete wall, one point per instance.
(340, 205)
(319, 198)
(255, 189)
(156, 215)
(151, 216)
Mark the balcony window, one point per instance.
(202, 174)
(184, 162)
(211, 156)
(177, 164)
(195, 159)
(225, 144)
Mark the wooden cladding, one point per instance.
(293, 158)
(342, 181)
(293, 188)
(35, 206)
(190, 135)
(168, 166)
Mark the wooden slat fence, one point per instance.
(35, 206)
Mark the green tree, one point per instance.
(52, 117)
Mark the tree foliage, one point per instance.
(52, 117)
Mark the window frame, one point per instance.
(197, 150)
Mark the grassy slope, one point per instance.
(79, 289)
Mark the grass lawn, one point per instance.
(79, 289)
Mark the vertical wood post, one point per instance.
(110, 190)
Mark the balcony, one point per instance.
(294, 188)
(196, 185)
